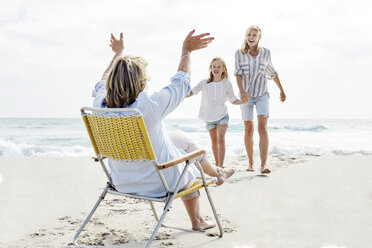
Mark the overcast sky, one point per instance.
(53, 52)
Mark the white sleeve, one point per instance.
(198, 87)
(230, 92)
(172, 95)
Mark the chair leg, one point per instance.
(154, 211)
(101, 197)
(166, 208)
(197, 164)
(214, 211)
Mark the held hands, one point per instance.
(192, 43)
(243, 100)
(117, 45)
(244, 96)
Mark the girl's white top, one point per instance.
(255, 71)
(214, 96)
(142, 178)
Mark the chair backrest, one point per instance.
(118, 134)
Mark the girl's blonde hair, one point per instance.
(126, 80)
(224, 73)
(245, 46)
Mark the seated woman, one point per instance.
(122, 86)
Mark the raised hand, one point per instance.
(117, 45)
(192, 43)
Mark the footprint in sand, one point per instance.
(37, 234)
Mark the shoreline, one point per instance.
(305, 202)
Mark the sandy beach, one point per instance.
(305, 202)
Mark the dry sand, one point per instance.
(305, 202)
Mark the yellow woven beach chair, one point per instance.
(121, 134)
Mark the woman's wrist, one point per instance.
(118, 54)
(185, 53)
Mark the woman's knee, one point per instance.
(192, 196)
(249, 128)
(262, 129)
(184, 142)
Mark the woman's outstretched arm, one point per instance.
(173, 94)
(117, 47)
(192, 43)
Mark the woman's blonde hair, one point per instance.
(245, 46)
(224, 73)
(126, 80)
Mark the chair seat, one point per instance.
(198, 184)
(157, 199)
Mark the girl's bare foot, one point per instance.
(223, 174)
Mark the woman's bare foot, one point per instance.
(250, 168)
(265, 170)
(202, 226)
(223, 174)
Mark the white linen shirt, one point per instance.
(214, 96)
(255, 71)
(141, 178)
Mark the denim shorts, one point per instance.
(223, 121)
(262, 107)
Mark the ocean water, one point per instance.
(68, 137)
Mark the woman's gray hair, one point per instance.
(126, 80)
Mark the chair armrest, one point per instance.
(185, 157)
(96, 159)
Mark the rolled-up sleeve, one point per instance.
(238, 69)
(172, 95)
(99, 94)
(271, 72)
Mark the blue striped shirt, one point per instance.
(255, 71)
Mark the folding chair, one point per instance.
(121, 134)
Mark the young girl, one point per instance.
(216, 90)
(252, 69)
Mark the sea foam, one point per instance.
(68, 137)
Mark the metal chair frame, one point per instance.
(88, 115)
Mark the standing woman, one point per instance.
(252, 69)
